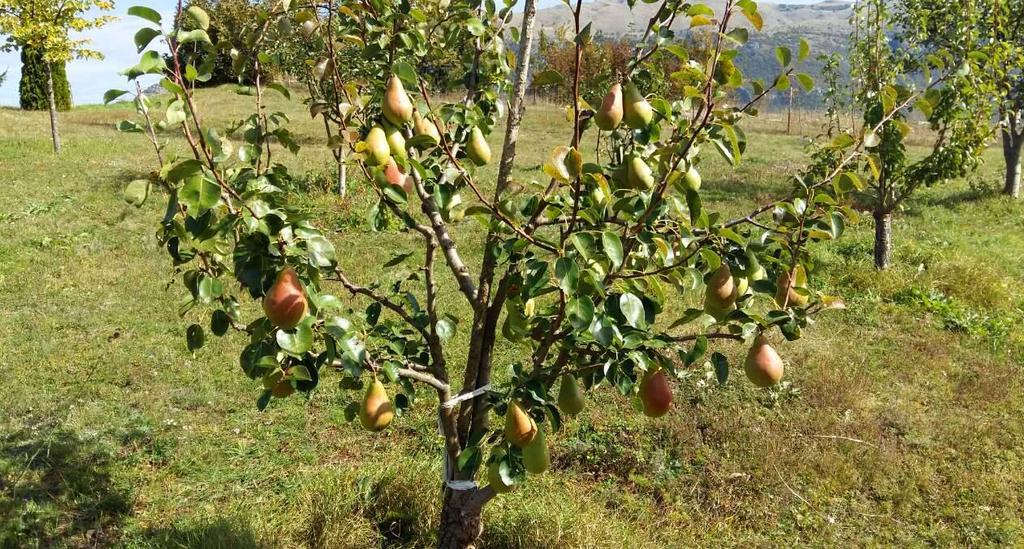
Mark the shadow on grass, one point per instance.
(56, 490)
(219, 534)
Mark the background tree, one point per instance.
(577, 268)
(45, 26)
(886, 72)
(997, 27)
(32, 88)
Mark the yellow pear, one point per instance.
(639, 173)
(535, 455)
(691, 180)
(609, 116)
(763, 365)
(720, 294)
(422, 126)
(397, 107)
(477, 148)
(656, 394)
(378, 149)
(785, 287)
(570, 396)
(396, 141)
(519, 426)
(637, 112)
(376, 410)
(285, 304)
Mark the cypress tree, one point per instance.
(32, 88)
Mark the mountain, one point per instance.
(824, 25)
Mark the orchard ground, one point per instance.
(901, 420)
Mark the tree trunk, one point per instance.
(1012, 144)
(462, 518)
(883, 239)
(342, 176)
(54, 130)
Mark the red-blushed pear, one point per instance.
(570, 396)
(477, 148)
(720, 294)
(378, 149)
(536, 459)
(656, 394)
(609, 116)
(422, 126)
(763, 365)
(285, 304)
(519, 426)
(395, 176)
(277, 385)
(785, 293)
(376, 411)
(636, 111)
(397, 107)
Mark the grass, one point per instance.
(899, 423)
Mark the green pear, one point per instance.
(378, 149)
(396, 142)
(425, 127)
(691, 180)
(477, 148)
(609, 116)
(639, 173)
(536, 459)
(720, 293)
(637, 112)
(570, 396)
(397, 106)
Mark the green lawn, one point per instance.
(902, 420)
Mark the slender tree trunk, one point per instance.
(342, 175)
(883, 239)
(54, 129)
(789, 113)
(1012, 144)
(462, 518)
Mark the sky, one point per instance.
(90, 78)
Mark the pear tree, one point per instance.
(582, 270)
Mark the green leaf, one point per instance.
(633, 309)
(199, 194)
(700, 346)
(783, 55)
(612, 247)
(806, 81)
(568, 274)
(803, 51)
(281, 89)
(548, 77)
(721, 365)
(580, 312)
(406, 73)
(144, 36)
(136, 192)
(321, 251)
(195, 337)
(219, 323)
(111, 95)
(297, 341)
(148, 14)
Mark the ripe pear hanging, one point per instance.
(570, 396)
(376, 411)
(720, 294)
(639, 173)
(519, 426)
(609, 116)
(285, 304)
(477, 148)
(692, 180)
(395, 176)
(422, 126)
(636, 111)
(397, 107)
(656, 394)
(378, 149)
(763, 365)
(785, 293)
(535, 455)
(396, 141)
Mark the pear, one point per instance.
(763, 365)
(656, 394)
(609, 116)
(277, 385)
(378, 148)
(520, 428)
(535, 455)
(477, 148)
(199, 17)
(285, 304)
(422, 126)
(639, 173)
(742, 286)
(786, 287)
(397, 107)
(691, 180)
(395, 176)
(376, 411)
(720, 294)
(322, 68)
(637, 112)
(308, 27)
(396, 141)
(570, 396)
(494, 478)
